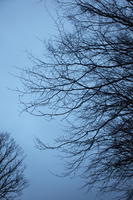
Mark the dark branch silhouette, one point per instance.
(87, 78)
(12, 180)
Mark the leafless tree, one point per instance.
(87, 78)
(12, 180)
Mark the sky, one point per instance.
(24, 25)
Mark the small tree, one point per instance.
(12, 180)
(87, 78)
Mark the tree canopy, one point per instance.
(87, 78)
(12, 179)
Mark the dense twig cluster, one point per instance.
(88, 78)
(12, 180)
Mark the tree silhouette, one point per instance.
(87, 79)
(12, 180)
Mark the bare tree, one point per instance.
(87, 78)
(12, 180)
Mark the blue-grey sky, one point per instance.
(23, 24)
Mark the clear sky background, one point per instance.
(23, 24)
